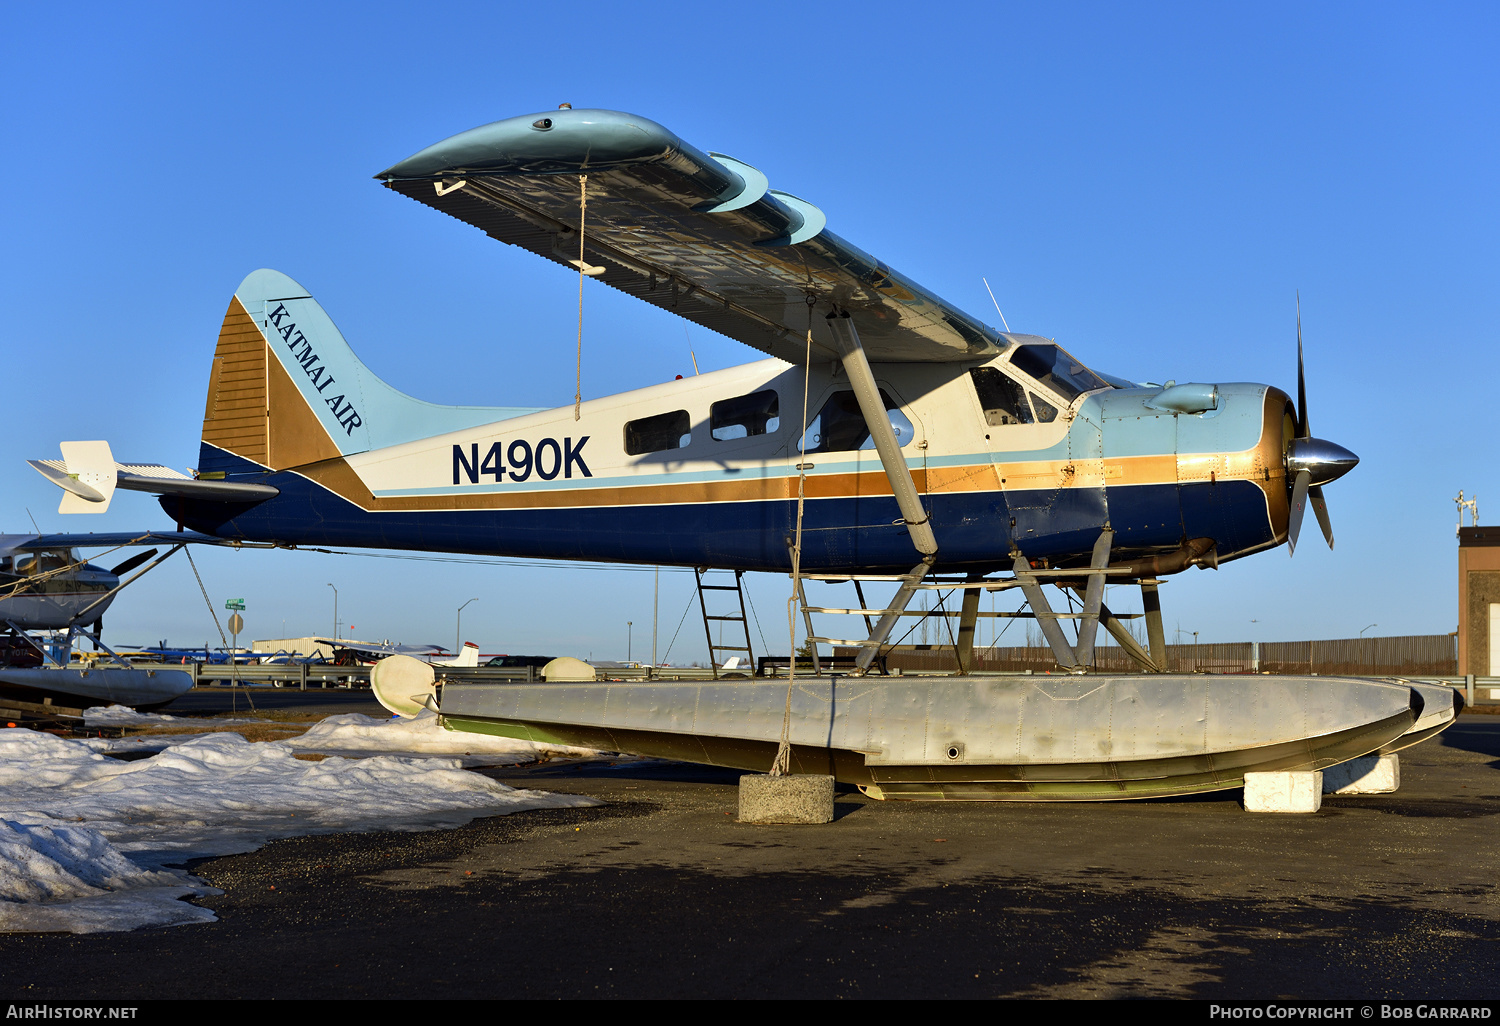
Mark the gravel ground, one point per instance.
(660, 893)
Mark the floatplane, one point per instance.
(886, 435)
(52, 601)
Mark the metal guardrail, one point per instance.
(325, 675)
(1476, 690)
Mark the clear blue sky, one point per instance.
(1147, 183)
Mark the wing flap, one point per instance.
(669, 224)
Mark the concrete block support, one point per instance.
(1284, 792)
(1370, 774)
(793, 798)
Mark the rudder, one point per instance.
(286, 390)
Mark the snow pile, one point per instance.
(349, 734)
(124, 716)
(70, 878)
(69, 813)
(353, 734)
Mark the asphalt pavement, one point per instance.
(661, 893)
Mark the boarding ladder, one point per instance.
(709, 619)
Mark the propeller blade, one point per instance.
(1315, 493)
(1299, 507)
(1302, 430)
(133, 562)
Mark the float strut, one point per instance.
(1046, 619)
(966, 621)
(892, 615)
(1127, 641)
(1155, 635)
(1093, 599)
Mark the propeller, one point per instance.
(133, 562)
(1312, 462)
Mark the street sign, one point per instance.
(238, 604)
(236, 623)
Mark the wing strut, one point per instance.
(918, 522)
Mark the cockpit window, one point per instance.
(1003, 399)
(1054, 367)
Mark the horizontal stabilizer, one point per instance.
(89, 475)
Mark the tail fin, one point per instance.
(286, 390)
(467, 656)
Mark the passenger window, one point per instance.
(1003, 399)
(840, 426)
(654, 434)
(743, 416)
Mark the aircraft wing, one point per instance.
(699, 234)
(106, 540)
(377, 648)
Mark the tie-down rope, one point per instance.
(783, 763)
(583, 207)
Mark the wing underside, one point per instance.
(700, 235)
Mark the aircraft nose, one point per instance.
(1324, 461)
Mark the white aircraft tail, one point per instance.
(467, 656)
(285, 389)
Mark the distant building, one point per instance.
(1479, 601)
(306, 647)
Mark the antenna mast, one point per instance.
(1472, 505)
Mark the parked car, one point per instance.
(519, 661)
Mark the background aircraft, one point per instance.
(46, 586)
(51, 599)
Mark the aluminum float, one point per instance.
(1063, 738)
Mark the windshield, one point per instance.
(1054, 367)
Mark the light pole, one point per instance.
(1362, 643)
(628, 625)
(335, 613)
(458, 628)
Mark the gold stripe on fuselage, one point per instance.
(338, 477)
